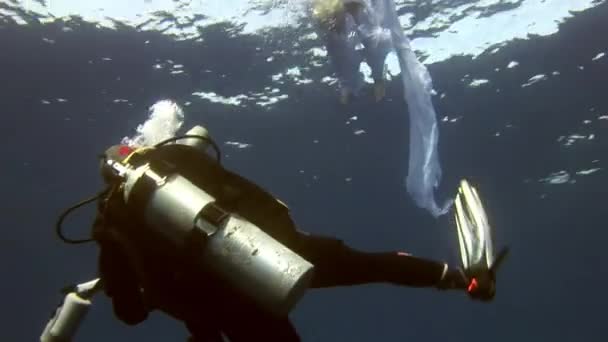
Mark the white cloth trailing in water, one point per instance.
(377, 26)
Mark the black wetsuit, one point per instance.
(204, 303)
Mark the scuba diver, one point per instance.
(344, 24)
(150, 229)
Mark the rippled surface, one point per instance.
(442, 29)
(521, 97)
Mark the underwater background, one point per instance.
(524, 118)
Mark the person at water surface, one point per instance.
(344, 24)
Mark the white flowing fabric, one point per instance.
(378, 28)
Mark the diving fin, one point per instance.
(475, 238)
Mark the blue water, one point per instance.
(336, 182)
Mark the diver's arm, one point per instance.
(118, 275)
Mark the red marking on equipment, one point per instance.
(473, 285)
(124, 150)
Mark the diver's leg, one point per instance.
(339, 265)
(251, 324)
(240, 323)
(223, 312)
(343, 57)
(202, 332)
(376, 40)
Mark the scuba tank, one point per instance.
(201, 143)
(189, 219)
